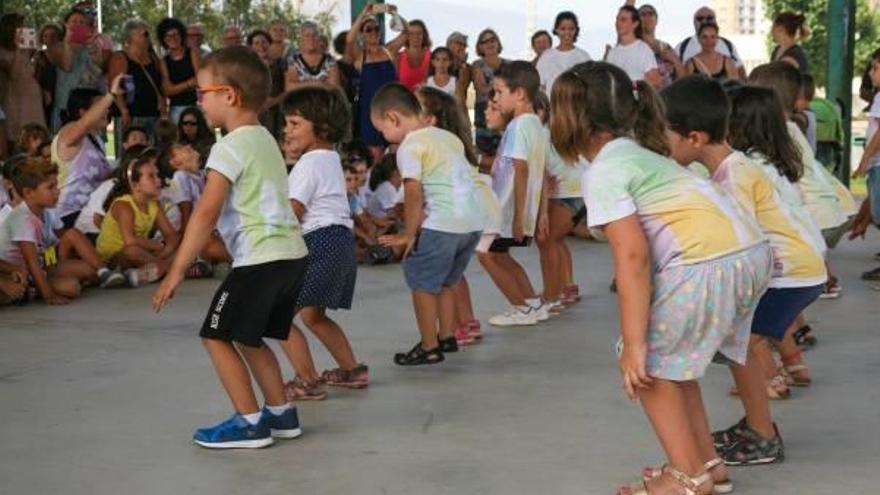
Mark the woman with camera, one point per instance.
(20, 95)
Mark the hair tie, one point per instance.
(636, 90)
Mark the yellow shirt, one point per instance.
(110, 241)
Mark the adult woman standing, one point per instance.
(46, 64)
(178, 67)
(788, 28)
(137, 60)
(311, 64)
(192, 129)
(374, 62)
(709, 62)
(668, 63)
(21, 97)
(271, 116)
(555, 61)
(632, 54)
(280, 46)
(414, 60)
(483, 74)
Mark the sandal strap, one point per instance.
(796, 355)
(710, 465)
(794, 368)
(689, 484)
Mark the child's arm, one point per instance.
(520, 186)
(632, 271)
(124, 216)
(170, 236)
(197, 235)
(299, 209)
(544, 207)
(871, 150)
(412, 214)
(32, 262)
(18, 273)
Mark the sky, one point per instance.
(508, 18)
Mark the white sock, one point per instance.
(252, 418)
(278, 410)
(102, 271)
(534, 302)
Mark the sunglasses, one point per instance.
(192, 123)
(488, 40)
(371, 29)
(706, 18)
(202, 90)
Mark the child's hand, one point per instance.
(862, 170)
(166, 290)
(397, 240)
(519, 233)
(543, 227)
(632, 369)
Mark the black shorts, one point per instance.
(255, 302)
(69, 220)
(503, 244)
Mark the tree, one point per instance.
(867, 32)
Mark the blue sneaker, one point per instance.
(284, 426)
(234, 433)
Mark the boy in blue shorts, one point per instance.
(442, 217)
(246, 199)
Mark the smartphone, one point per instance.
(380, 8)
(27, 38)
(128, 87)
(80, 34)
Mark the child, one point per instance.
(316, 119)
(689, 263)
(517, 180)
(29, 238)
(246, 197)
(697, 111)
(32, 136)
(869, 165)
(438, 74)
(385, 182)
(166, 133)
(13, 280)
(565, 210)
(134, 135)
(363, 229)
(442, 228)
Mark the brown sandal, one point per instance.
(796, 371)
(688, 485)
(721, 487)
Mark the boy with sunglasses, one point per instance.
(245, 197)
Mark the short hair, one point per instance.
(132, 129)
(130, 26)
(355, 151)
(480, 38)
(171, 24)
(395, 96)
(697, 104)
(781, 77)
(634, 15)
(521, 74)
(538, 34)
(324, 106)
(30, 172)
(79, 99)
(30, 131)
(241, 68)
(258, 32)
(339, 42)
(567, 15)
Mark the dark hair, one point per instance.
(594, 97)
(355, 151)
(241, 68)
(132, 129)
(324, 106)
(171, 24)
(440, 49)
(59, 28)
(79, 99)
(697, 104)
(538, 34)
(757, 125)
(129, 173)
(258, 32)
(808, 86)
(30, 131)
(383, 171)
(9, 23)
(165, 132)
(634, 15)
(204, 134)
(542, 104)
(480, 37)
(29, 172)
(449, 117)
(521, 74)
(426, 37)
(567, 15)
(707, 25)
(395, 96)
(339, 42)
(794, 24)
(783, 78)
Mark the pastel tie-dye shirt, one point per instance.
(436, 159)
(524, 139)
(796, 242)
(566, 176)
(22, 225)
(686, 219)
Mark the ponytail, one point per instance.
(650, 126)
(794, 24)
(129, 173)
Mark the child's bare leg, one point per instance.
(425, 305)
(233, 374)
(549, 268)
(567, 264)
(331, 335)
(752, 388)
(263, 365)
(521, 278)
(700, 427)
(215, 251)
(669, 411)
(77, 269)
(791, 353)
(136, 257)
(446, 313)
(464, 310)
(75, 242)
(504, 280)
(296, 347)
(65, 286)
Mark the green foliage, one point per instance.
(247, 14)
(867, 32)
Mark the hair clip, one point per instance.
(636, 90)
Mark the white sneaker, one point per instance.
(514, 318)
(542, 312)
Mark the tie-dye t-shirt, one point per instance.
(567, 176)
(686, 219)
(797, 245)
(257, 223)
(22, 225)
(80, 176)
(821, 198)
(524, 139)
(436, 159)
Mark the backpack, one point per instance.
(684, 45)
(829, 125)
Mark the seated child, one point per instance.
(30, 139)
(385, 183)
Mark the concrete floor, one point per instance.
(101, 397)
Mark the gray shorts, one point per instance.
(438, 260)
(834, 234)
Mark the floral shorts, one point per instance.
(704, 309)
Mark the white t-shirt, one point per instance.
(694, 47)
(317, 181)
(85, 223)
(187, 187)
(382, 200)
(4, 194)
(873, 127)
(635, 59)
(449, 88)
(554, 62)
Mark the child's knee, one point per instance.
(313, 316)
(487, 260)
(66, 286)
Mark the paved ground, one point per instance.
(101, 398)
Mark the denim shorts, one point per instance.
(874, 193)
(438, 260)
(578, 209)
(778, 309)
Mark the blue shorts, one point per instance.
(874, 193)
(778, 309)
(438, 260)
(578, 209)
